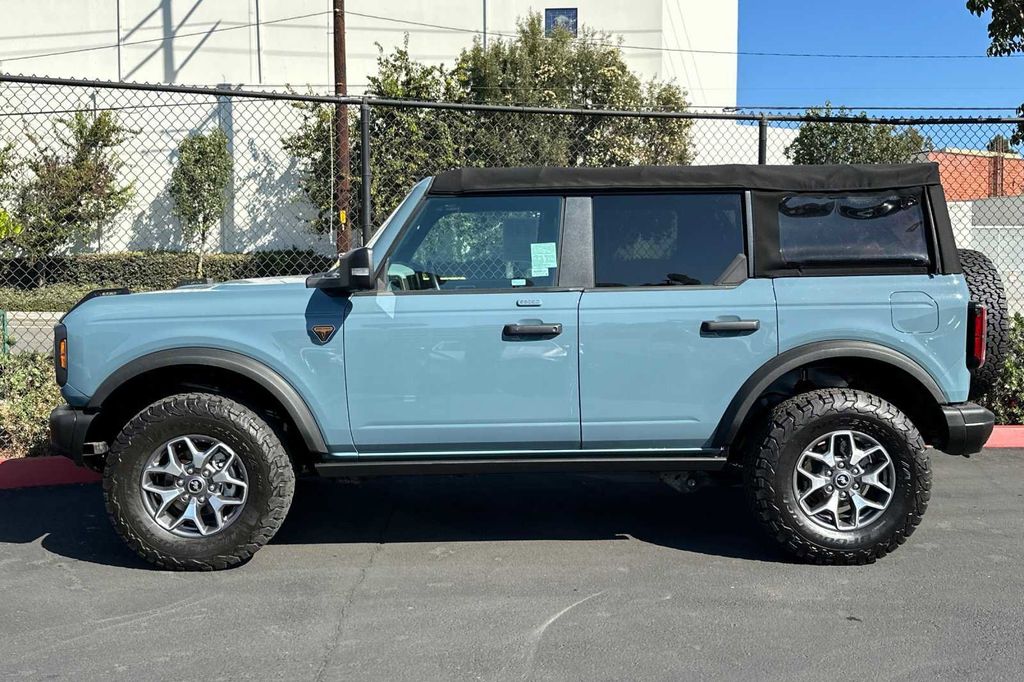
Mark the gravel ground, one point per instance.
(521, 577)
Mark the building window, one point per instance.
(564, 18)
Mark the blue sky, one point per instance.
(872, 27)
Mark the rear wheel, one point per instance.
(197, 482)
(839, 477)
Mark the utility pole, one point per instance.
(342, 240)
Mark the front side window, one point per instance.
(665, 239)
(872, 228)
(479, 243)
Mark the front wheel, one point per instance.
(840, 477)
(197, 482)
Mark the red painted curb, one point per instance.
(1006, 437)
(38, 471)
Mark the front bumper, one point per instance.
(968, 426)
(68, 429)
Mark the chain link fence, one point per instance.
(112, 185)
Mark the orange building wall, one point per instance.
(967, 176)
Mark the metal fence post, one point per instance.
(4, 345)
(762, 140)
(364, 156)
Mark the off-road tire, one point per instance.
(792, 426)
(271, 481)
(986, 287)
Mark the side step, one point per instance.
(389, 466)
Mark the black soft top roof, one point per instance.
(734, 176)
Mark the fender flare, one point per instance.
(760, 380)
(231, 361)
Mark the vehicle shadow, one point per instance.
(493, 508)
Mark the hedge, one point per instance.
(56, 298)
(154, 269)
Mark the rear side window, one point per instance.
(665, 239)
(885, 228)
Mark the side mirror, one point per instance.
(354, 272)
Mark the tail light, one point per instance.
(977, 330)
(60, 353)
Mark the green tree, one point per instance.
(823, 142)
(198, 186)
(1005, 26)
(9, 226)
(1006, 36)
(563, 71)
(410, 143)
(72, 188)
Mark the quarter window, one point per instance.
(665, 239)
(479, 243)
(829, 229)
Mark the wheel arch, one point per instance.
(225, 363)
(744, 404)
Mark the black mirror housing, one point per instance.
(353, 273)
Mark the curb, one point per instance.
(1006, 437)
(39, 471)
(35, 472)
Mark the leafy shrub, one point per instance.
(72, 188)
(52, 298)
(27, 395)
(1007, 398)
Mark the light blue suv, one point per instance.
(809, 327)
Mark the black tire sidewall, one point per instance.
(126, 494)
(891, 522)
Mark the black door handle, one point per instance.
(734, 326)
(532, 329)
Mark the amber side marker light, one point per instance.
(60, 353)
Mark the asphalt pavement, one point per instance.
(521, 577)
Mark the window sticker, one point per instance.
(519, 282)
(539, 272)
(543, 255)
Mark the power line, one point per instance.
(744, 53)
(163, 39)
(444, 27)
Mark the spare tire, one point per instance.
(986, 288)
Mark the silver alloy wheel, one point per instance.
(194, 486)
(844, 480)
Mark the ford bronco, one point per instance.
(810, 329)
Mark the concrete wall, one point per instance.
(995, 226)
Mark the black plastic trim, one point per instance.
(243, 365)
(96, 293)
(68, 428)
(968, 427)
(759, 381)
(386, 466)
(576, 246)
